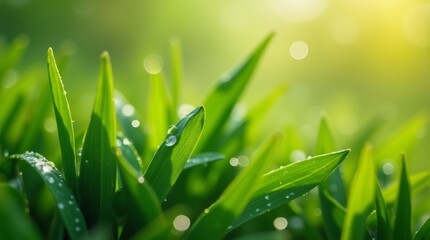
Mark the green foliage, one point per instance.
(197, 176)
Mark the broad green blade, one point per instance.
(66, 203)
(176, 56)
(98, 162)
(130, 124)
(361, 197)
(174, 152)
(143, 205)
(159, 110)
(403, 140)
(15, 223)
(222, 99)
(332, 186)
(403, 221)
(13, 54)
(424, 232)
(418, 182)
(384, 230)
(203, 158)
(64, 121)
(280, 186)
(217, 219)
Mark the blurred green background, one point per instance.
(353, 59)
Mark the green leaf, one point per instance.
(98, 164)
(217, 218)
(403, 221)
(361, 197)
(403, 139)
(15, 223)
(172, 155)
(222, 99)
(424, 232)
(159, 110)
(130, 125)
(64, 121)
(203, 158)
(280, 186)
(66, 203)
(176, 56)
(332, 186)
(384, 230)
(145, 205)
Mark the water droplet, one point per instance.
(141, 179)
(86, 160)
(388, 168)
(269, 204)
(125, 141)
(280, 223)
(76, 220)
(6, 153)
(257, 210)
(135, 123)
(78, 229)
(172, 129)
(60, 184)
(181, 223)
(46, 169)
(234, 162)
(61, 206)
(267, 197)
(230, 227)
(170, 140)
(207, 210)
(80, 152)
(51, 180)
(70, 202)
(127, 110)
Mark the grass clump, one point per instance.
(190, 177)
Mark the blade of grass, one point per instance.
(131, 126)
(98, 164)
(332, 186)
(424, 231)
(66, 204)
(203, 158)
(15, 222)
(384, 230)
(129, 152)
(218, 217)
(280, 186)
(361, 197)
(145, 205)
(64, 121)
(403, 221)
(221, 100)
(176, 56)
(172, 155)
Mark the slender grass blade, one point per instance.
(98, 165)
(361, 197)
(64, 121)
